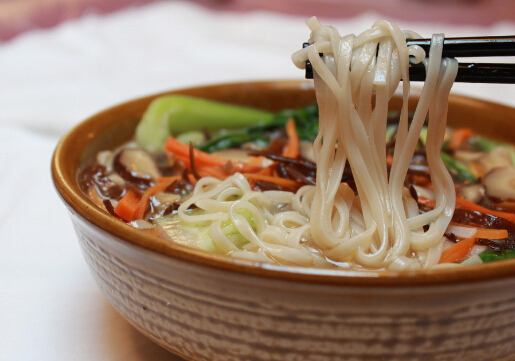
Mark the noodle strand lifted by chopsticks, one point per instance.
(351, 120)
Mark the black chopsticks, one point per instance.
(471, 46)
(473, 73)
(466, 47)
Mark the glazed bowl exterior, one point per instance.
(209, 307)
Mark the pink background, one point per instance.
(17, 16)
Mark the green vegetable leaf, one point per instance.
(176, 114)
(458, 169)
(491, 255)
(306, 122)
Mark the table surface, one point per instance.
(52, 79)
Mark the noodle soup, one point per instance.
(479, 168)
(344, 183)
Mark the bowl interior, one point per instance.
(116, 125)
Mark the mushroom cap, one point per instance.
(500, 182)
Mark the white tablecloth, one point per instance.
(50, 308)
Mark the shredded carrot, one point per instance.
(491, 233)
(277, 180)
(192, 178)
(203, 159)
(182, 151)
(459, 136)
(466, 204)
(267, 170)
(171, 158)
(426, 202)
(488, 233)
(291, 150)
(458, 251)
(164, 179)
(463, 203)
(126, 207)
(143, 203)
(215, 172)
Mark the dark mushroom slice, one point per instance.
(466, 216)
(136, 165)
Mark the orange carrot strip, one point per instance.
(459, 136)
(126, 206)
(192, 179)
(145, 198)
(427, 202)
(277, 180)
(488, 233)
(164, 179)
(458, 251)
(463, 203)
(212, 172)
(202, 159)
(267, 170)
(182, 151)
(491, 233)
(291, 150)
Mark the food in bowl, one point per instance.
(205, 306)
(363, 195)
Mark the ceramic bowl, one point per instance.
(209, 307)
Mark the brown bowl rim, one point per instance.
(78, 203)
